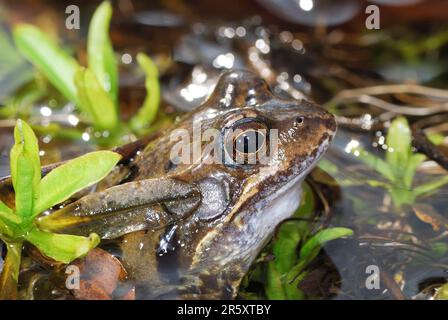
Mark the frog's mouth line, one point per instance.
(309, 167)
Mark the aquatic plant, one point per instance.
(289, 268)
(292, 250)
(93, 89)
(34, 194)
(399, 166)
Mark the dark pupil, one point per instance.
(249, 142)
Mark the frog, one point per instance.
(192, 229)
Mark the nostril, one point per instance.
(299, 120)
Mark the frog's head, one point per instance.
(243, 201)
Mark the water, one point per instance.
(407, 244)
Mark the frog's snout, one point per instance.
(316, 120)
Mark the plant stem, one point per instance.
(10, 273)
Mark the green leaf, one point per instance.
(285, 245)
(147, 113)
(62, 247)
(274, 285)
(100, 52)
(401, 196)
(21, 103)
(328, 166)
(297, 271)
(25, 143)
(10, 272)
(73, 176)
(320, 238)
(376, 163)
(8, 220)
(48, 57)
(311, 249)
(408, 175)
(95, 101)
(4, 208)
(376, 183)
(14, 69)
(25, 168)
(398, 139)
(10, 217)
(23, 187)
(430, 186)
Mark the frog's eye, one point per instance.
(246, 142)
(249, 141)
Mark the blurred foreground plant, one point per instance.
(34, 194)
(94, 89)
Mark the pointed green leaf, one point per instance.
(25, 144)
(408, 175)
(14, 70)
(23, 188)
(47, 56)
(147, 113)
(95, 101)
(320, 238)
(274, 285)
(430, 186)
(376, 163)
(73, 176)
(398, 139)
(100, 52)
(285, 245)
(311, 249)
(62, 247)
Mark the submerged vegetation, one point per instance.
(399, 167)
(34, 194)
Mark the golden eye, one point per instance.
(247, 142)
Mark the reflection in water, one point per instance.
(404, 245)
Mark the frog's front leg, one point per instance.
(126, 208)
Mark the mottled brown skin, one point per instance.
(210, 250)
